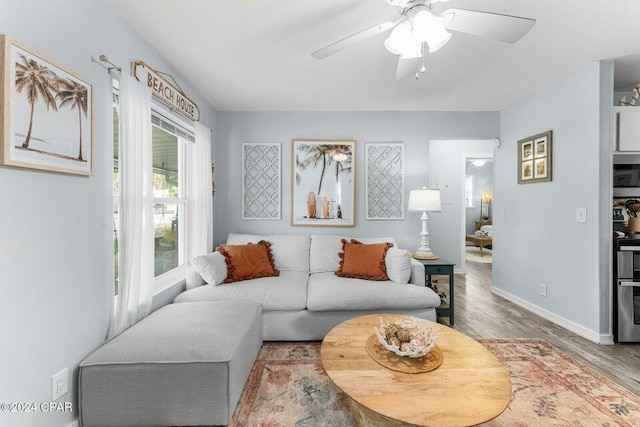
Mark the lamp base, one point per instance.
(424, 255)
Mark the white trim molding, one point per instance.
(605, 339)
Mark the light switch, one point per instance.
(501, 212)
(581, 215)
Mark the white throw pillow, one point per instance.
(212, 267)
(398, 263)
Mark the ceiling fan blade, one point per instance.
(407, 67)
(505, 28)
(354, 39)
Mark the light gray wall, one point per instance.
(56, 251)
(415, 129)
(541, 241)
(482, 181)
(448, 163)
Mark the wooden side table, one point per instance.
(445, 268)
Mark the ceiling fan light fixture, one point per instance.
(401, 42)
(428, 27)
(437, 36)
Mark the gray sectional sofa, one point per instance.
(186, 364)
(308, 299)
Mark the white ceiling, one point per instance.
(254, 55)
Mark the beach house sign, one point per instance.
(166, 91)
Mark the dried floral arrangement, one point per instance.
(406, 337)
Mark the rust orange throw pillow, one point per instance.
(360, 261)
(249, 261)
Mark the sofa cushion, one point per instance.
(290, 251)
(211, 267)
(363, 261)
(250, 261)
(327, 292)
(325, 250)
(286, 292)
(398, 263)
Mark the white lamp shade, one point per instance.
(402, 42)
(424, 200)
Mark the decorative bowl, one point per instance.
(406, 337)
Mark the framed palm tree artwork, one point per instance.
(323, 191)
(47, 113)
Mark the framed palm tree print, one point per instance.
(47, 113)
(324, 182)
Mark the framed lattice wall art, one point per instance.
(261, 181)
(385, 181)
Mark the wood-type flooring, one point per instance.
(481, 314)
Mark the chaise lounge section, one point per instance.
(184, 365)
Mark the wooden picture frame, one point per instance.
(323, 187)
(46, 113)
(534, 158)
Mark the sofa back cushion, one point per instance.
(290, 251)
(325, 250)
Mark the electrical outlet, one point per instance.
(543, 290)
(60, 384)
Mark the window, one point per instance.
(169, 145)
(169, 139)
(468, 191)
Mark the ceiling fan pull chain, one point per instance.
(422, 68)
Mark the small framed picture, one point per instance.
(540, 169)
(534, 158)
(527, 170)
(541, 147)
(527, 151)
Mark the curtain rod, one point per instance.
(103, 58)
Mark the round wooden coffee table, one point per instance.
(470, 387)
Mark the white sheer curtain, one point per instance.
(200, 199)
(136, 251)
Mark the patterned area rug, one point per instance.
(288, 387)
(473, 254)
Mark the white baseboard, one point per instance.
(605, 339)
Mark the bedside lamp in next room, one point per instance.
(424, 200)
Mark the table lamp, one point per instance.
(424, 200)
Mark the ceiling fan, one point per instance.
(420, 29)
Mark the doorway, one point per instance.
(478, 199)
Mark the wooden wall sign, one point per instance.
(166, 91)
